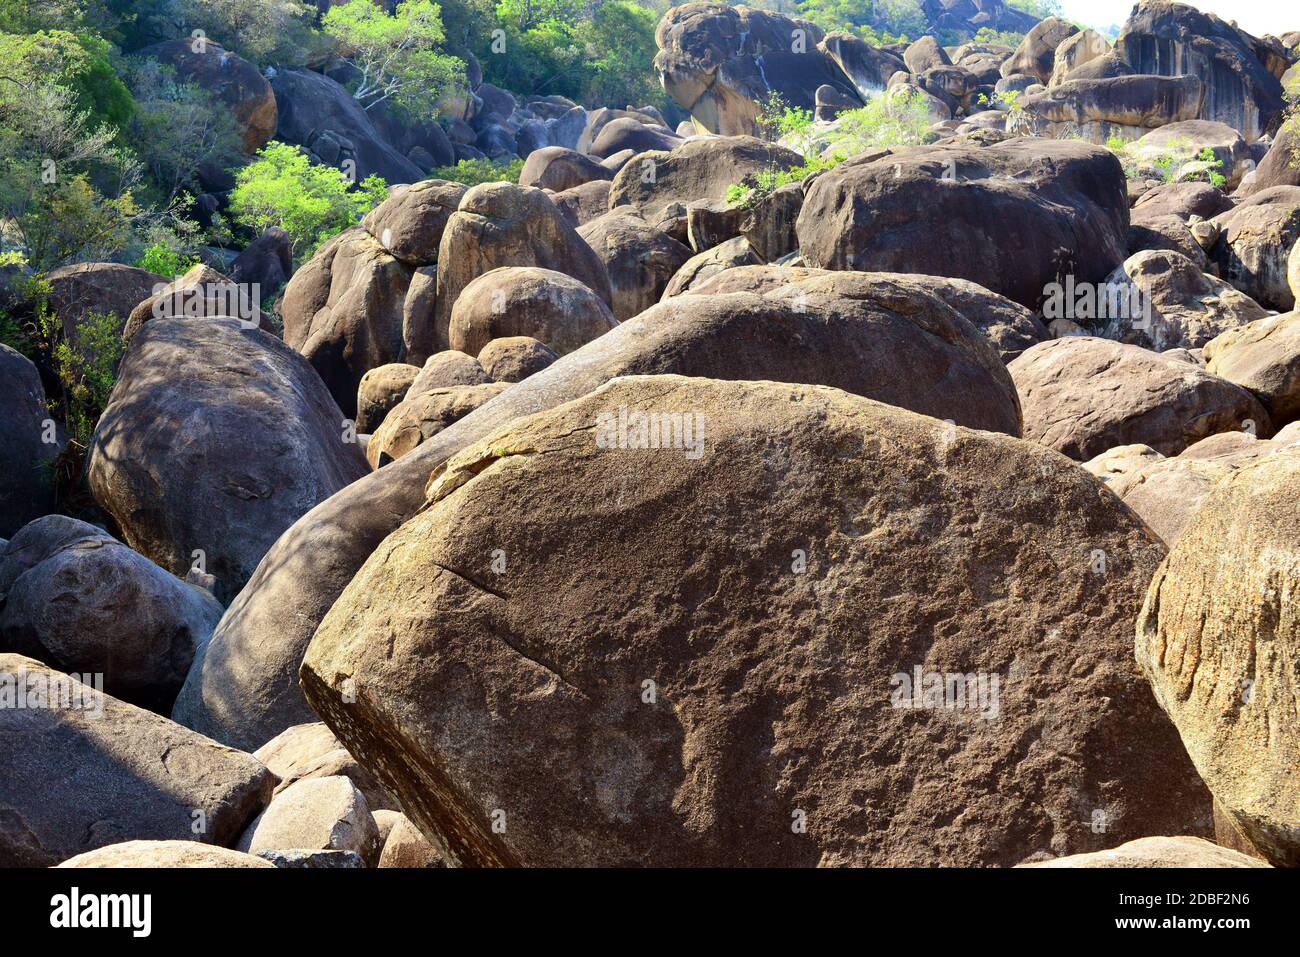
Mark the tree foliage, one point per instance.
(396, 57)
(282, 187)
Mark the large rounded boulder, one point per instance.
(1254, 240)
(81, 601)
(1082, 395)
(1015, 218)
(527, 301)
(215, 439)
(854, 338)
(788, 707)
(640, 259)
(500, 224)
(1219, 640)
(26, 479)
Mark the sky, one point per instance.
(1253, 16)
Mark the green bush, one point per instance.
(161, 260)
(472, 172)
(311, 202)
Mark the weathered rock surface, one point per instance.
(366, 298)
(1180, 306)
(1101, 107)
(547, 305)
(558, 169)
(247, 692)
(77, 599)
(215, 439)
(138, 776)
(1046, 209)
(405, 846)
(1173, 39)
(1082, 396)
(515, 358)
(380, 391)
(499, 224)
(422, 415)
(26, 482)
(743, 736)
(1219, 640)
(1263, 357)
(1255, 239)
(136, 854)
(1036, 55)
(311, 751)
(97, 287)
(1193, 852)
(718, 62)
(639, 259)
(702, 266)
(315, 814)
(320, 115)
(448, 369)
(697, 171)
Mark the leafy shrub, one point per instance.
(311, 202)
(472, 172)
(162, 260)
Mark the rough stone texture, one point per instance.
(266, 262)
(699, 170)
(1263, 357)
(215, 438)
(1045, 208)
(1173, 39)
(77, 599)
(26, 488)
(547, 305)
(1101, 107)
(366, 298)
(702, 266)
(311, 751)
(780, 702)
(1219, 640)
(1254, 241)
(448, 369)
(121, 775)
(515, 358)
(1167, 492)
(1195, 852)
(1036, 55)
(1191, 137)
(422, 415)
(136, 854)
(315, 860)
(499, 224)
(558, 169)
(1281, 164)
(1082, 396)
(247, 692)
(380, 391)
(639, 259)
(316, 814)
(629, 133)
(202, 293)
(718, 62)
(1074, 51)
(405, 846)
(320, 115)
(581, 204)
(227, 78)
(1181, 307)
(97, 287)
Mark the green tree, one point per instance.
(396, 56)
(282, 187)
